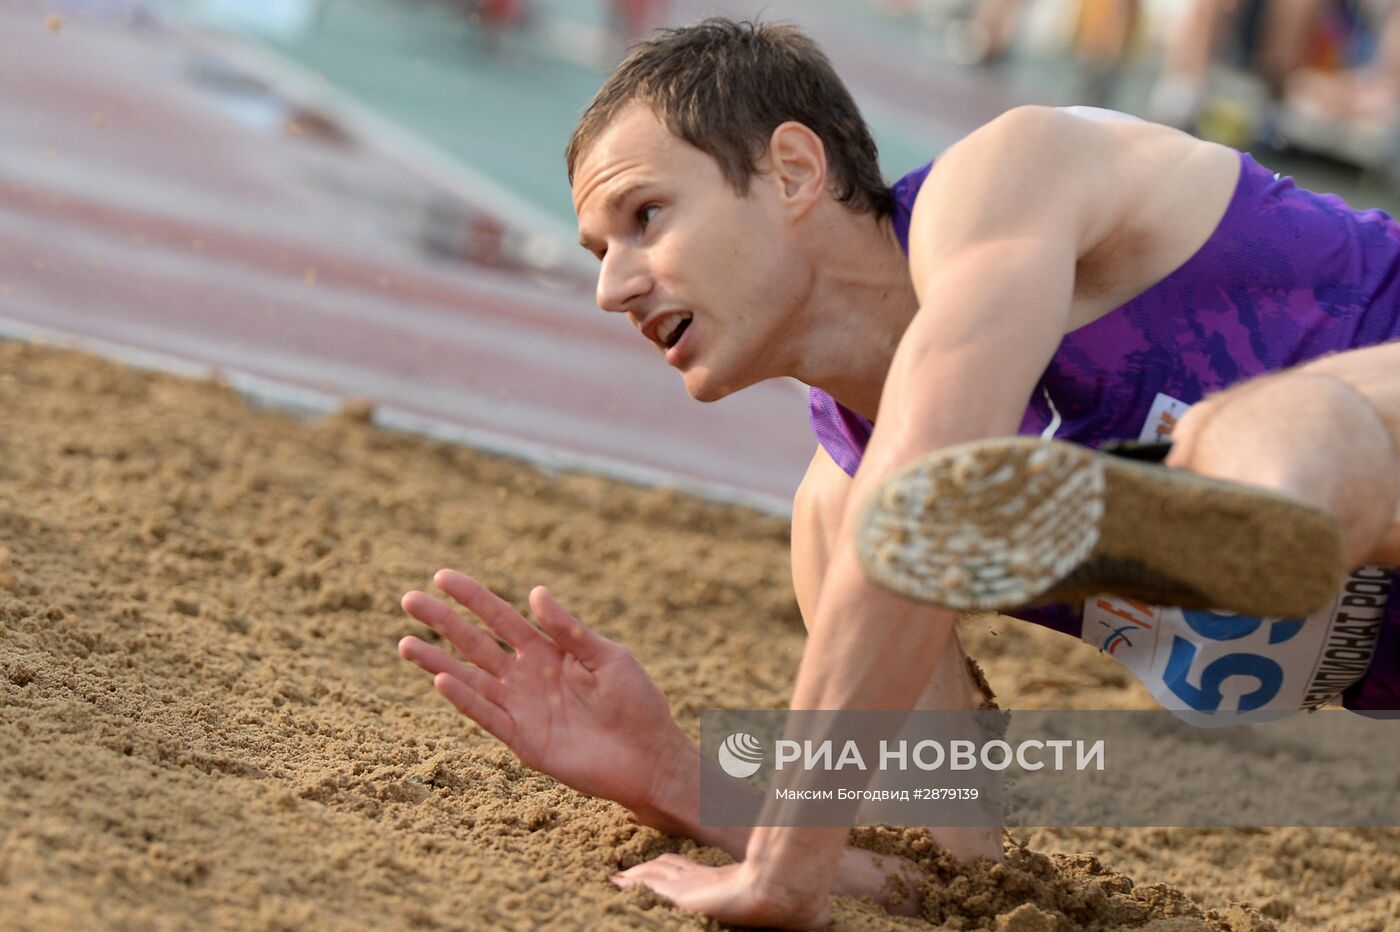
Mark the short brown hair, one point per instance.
(724, 86)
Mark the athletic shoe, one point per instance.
(998, 524)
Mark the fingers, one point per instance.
(476, 645)
(567, 631)
(489, 607)
(476, 707)
(667, 867)
(436, 660)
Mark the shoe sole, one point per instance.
(999, 524)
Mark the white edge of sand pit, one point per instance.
(307, 403)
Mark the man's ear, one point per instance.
(797, 164)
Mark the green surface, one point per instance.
(506, 112)
(505, 106)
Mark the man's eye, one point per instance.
(645, 214)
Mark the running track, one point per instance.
(161, 204)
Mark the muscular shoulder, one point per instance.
(1032, 140)
(1034, 124)
(1024, 173)
(1087, 184)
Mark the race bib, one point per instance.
(1201, 663)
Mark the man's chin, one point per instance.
(702, 385)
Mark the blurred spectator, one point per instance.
(1271, 39)
(985, 36)
(1190, 50)
(1362, 102)
(1101, 32)
(1101, 35)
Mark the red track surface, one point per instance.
(153, 200)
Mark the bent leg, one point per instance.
(1327, 432)
(1375, 374)
(958, 684)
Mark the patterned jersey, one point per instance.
(1287, 275)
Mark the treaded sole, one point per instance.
(998, 524)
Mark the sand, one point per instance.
(203, 721)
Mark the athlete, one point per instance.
(1058, 275)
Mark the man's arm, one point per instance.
(994, 245)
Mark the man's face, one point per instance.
(706, 275)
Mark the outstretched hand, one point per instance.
(569, 702)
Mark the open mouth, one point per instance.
(672, 330)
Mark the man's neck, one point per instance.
(862, 300)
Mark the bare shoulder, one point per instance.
(1017, 176)
(1134, 198)
(1043, 140)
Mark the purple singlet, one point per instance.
(1288, 275)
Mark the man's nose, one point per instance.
(622, 280)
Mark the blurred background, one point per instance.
(331, 200)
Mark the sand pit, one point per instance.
(203, 721)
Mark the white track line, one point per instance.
(311, 90)
(306, 402)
